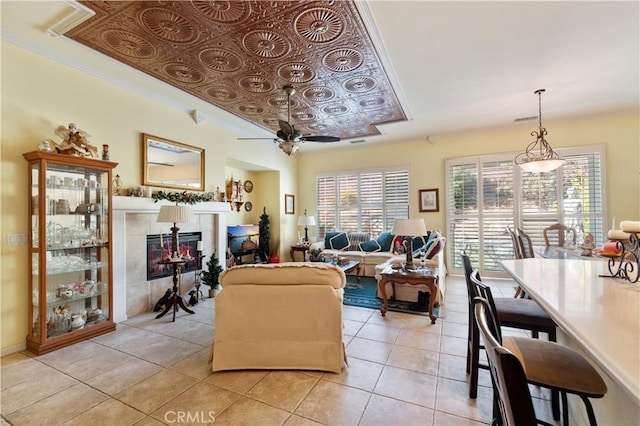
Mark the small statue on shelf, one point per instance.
(74, 142)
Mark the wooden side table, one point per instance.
(424, 276)
(175, 301)
(299, 247)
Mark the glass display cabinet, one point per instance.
(70, 248)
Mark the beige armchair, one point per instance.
(279, 316)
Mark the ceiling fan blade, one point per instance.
(286, 128)
(321, 138)
(253, 139)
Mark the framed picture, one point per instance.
(289, 204)
(429, 200)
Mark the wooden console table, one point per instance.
(423, 276)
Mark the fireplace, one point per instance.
(159, 248)
(134, 218)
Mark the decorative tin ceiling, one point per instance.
(238, 55)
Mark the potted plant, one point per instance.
(263, 241)
(211, 275)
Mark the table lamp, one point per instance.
(409, 228)
(306, 221)
(175, 214)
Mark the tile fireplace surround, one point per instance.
(133, 219)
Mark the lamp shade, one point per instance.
(175, 214)
(541, 166)
(409, 227)
(306, 221)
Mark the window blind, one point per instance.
(485, 194)
(367, 201)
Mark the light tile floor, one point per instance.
(402, 371)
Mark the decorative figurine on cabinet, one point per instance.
(74, 142)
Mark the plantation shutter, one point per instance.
(326, 202)
(486, 194)
(396, 197)
(367, 201)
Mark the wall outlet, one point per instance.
(17, 239)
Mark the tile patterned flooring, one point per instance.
(402, 371)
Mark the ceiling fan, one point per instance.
(288, 138)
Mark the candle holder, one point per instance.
(198, 274)
(627, 265)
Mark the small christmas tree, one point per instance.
(263, 242)
(212, 273)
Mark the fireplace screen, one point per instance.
(159, 248)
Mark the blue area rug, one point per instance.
(363, 294)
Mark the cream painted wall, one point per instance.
(619, 132)
(39, 94)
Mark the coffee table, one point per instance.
(349, 267)
(422, 276)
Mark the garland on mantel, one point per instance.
(182, 197)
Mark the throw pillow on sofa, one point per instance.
(435, 248)
(370, 246)
(355, 238)
(328, 236)
(339, 241)
(424, 249)
(384, 240)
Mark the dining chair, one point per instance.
(517, 250)
(523, 314)
(525, 244)
(546, 364)
(517, 247)
(562, 231)
(512, 399)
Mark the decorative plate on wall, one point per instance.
(248, 186)
(248, 206)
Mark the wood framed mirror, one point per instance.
(170, 164)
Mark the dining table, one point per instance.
(599, 316)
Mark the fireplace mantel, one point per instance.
(121, 206)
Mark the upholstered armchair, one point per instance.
(279, 316)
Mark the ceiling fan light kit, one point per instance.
(538, 156)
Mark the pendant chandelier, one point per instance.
(539, 157)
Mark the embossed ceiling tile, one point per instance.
(221, 93)
(183, 73)
(167, 24)
(256, 84)
(238, 55)
(279, 100)
(343, 60)
(296, 72)
(220, 60)
(317, 94)
(129, 44)
(319, 24)
(224, 12)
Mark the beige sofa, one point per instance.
(373, 263)
(279, 316)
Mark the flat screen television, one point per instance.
(243, 240)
